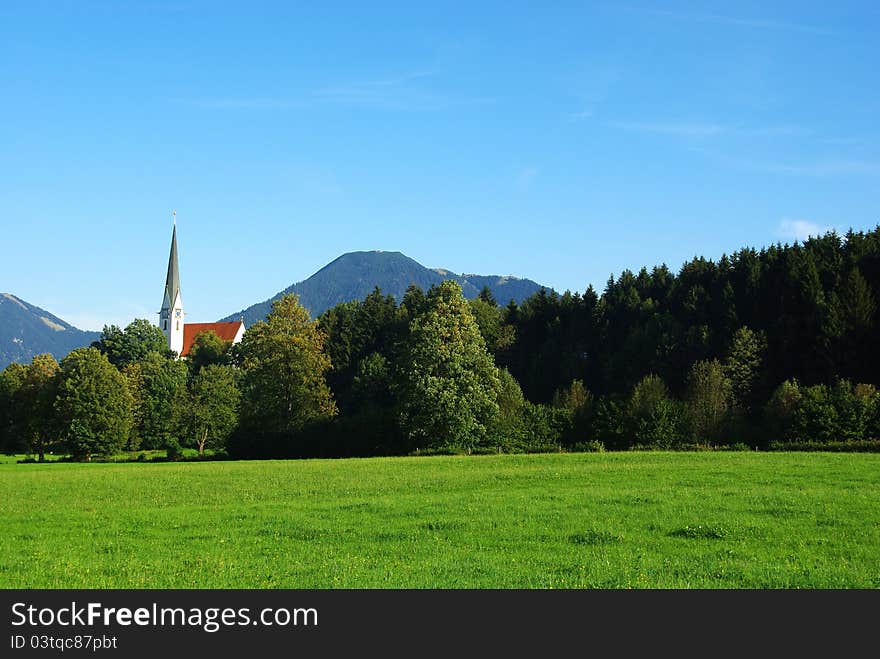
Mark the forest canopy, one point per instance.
(762, 348)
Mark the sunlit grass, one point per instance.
(612, 520)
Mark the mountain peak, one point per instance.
(27, 330)
(354, 275)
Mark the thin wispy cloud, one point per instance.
(371, 91)
(396, 80)
(684, 129)
(249, 103)
(736, 21)
(823, 168)
(580, 116)
(404, 92)
(845, 141)
(800, 229)
(591, 87)
(707, 129)
(818, 168)
(775, 131)
(142, 6)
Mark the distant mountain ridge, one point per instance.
(26, 330)
(354, 275)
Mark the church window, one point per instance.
(178, 325)
(164, 324)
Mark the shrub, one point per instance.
(590, 446)
(816, 417)
(652, 418)
(661, 428)
(873, 429)
(855, 409)
(780, 411)
(607, 422)
(578, 402)
(542, 427)
(173, 449)
(822, 414)
(862, 446)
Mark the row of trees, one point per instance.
(725, 400)
(125, 392)
(436, 387)
(710, 415)
(758, 348)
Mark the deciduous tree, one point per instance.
(139, 338)
(708, 399)
(207, 348)
(35, 399)
(652, 417)
(284, 367)
(93, 405)
(12, 419)
(447, 381)
(162, 381)
(207, 410)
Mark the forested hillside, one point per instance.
(765, 349)
(354, 275)
(811, 306)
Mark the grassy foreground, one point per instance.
(613, 520)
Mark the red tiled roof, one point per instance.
(225, 331)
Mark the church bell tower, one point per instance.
(171, 316)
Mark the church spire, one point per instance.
(172, 281)
(171, 317)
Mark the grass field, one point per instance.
(613, 520)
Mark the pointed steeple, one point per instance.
(171, 317)
(172, 281)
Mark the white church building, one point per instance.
(179, 333)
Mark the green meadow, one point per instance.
(597, 520)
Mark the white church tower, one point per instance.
(171, 316)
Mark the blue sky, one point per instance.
(557, 141)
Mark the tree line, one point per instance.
(761, 349)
